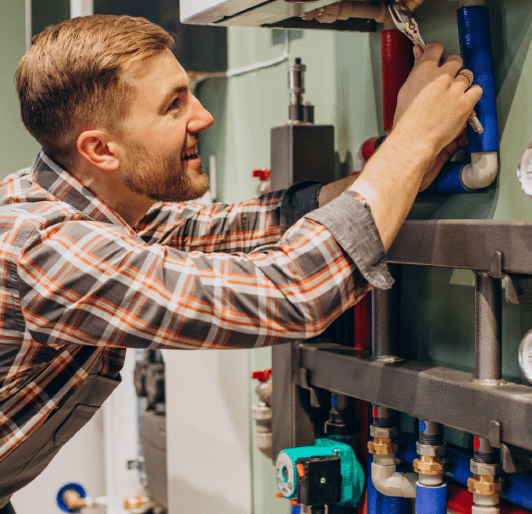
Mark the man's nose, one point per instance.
(201, 118)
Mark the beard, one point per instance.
(163, 179)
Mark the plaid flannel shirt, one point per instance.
(78, 285)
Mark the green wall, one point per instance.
(17, 148)
(343, 82)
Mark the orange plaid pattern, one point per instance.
(78, 285)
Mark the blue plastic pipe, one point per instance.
(448, 180)
(517, 487)
(475, 46)
(431, 500)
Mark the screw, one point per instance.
(323, 480)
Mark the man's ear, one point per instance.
(94, 146)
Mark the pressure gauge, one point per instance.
(524, 170)
(525, 355)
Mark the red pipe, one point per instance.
(460, 501)
(396, 65)
(362, 342)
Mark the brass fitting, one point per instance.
(73, 500)
(382, 446)
(487, 485)
(135, 502)
(428, 465)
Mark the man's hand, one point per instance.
(432, 111)
(441, 159)
(437, 95)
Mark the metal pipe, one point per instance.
(385, 324)
(382, 323)
(488, 309)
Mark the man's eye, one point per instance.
(174, 104)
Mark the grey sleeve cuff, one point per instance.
(298, 200)
(352, 225)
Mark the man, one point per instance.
(99, 256)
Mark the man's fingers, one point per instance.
(467, 77)
(452, 65)
(474, 93)
(433, 52)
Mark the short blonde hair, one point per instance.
(71, 78)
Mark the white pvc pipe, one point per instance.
(481, 171)
(388, 481)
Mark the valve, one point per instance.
(261, 412)
(485, 484)
(263, 375)
(72, 497)
(263, 174)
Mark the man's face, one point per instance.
(161, 133)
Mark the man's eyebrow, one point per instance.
(175, 91)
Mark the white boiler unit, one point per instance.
(244, 12)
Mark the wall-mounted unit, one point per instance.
(278, 13)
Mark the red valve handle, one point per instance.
(263, 375)
(261, 174)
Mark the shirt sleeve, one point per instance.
(345, 214)
(229, 228)
(89, 283)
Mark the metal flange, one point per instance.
(382, 446)
(428, 465)
(486, 485)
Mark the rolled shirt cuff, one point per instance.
(351, 223)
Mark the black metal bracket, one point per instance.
(319, 398)
(517, 287)
(514, 459)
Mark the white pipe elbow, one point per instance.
(481, 171)
(390, 482)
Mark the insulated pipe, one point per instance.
(431, 499)
(475, 45)
(396, 66)
(488, 313)
(459, 501)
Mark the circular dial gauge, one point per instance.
(524, 170)
(525, 355)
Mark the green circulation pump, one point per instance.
(326, 473)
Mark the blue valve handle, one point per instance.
(78, 488)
